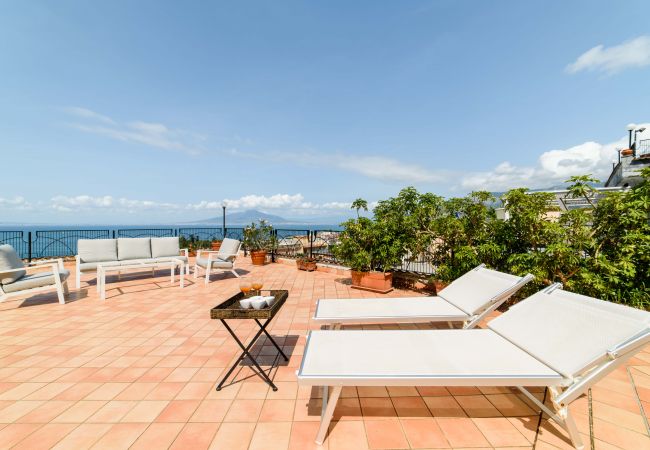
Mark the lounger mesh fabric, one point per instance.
(369, 309)
(567, 331)
(462, 293)
(435, 356)
(227, 249)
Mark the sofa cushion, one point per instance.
(165, 246)
(133, 248)
(35, 280)
(9, 259)
(97, 250)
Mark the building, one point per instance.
(627, 172)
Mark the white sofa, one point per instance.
(126, 251)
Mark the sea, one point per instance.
(41, 241)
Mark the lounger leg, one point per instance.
(329, 404)
(207, 275)
(234, 272)
(571, 428)
(78, 280)
(562, 417)
(196, 270)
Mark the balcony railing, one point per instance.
(643, 148)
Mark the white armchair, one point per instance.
(16, 279)
(222, 259)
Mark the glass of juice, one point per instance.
(257, 286)
(245, 287)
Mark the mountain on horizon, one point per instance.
(245, 218)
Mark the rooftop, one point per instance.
(138, 370)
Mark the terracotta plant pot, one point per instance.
(258, 257)
(303, 264)
(216, 245)
(627, 152)
(373, 281)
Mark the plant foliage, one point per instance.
(602, 250)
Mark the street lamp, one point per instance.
(630, 129)
(223, 225)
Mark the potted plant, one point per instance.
(306, 263)
(368, 247)
(259, 240)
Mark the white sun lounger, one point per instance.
(557, 339)
(469, 299)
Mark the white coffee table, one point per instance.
(103, 269)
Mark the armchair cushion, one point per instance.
(35, 280)
(133, 248)
(97, 250)
(228, 248)
(165, 246)
(10, 260)
(216, 263)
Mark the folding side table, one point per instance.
(230, 309)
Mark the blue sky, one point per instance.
(157, 111)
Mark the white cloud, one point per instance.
(15, 203)
(63, 203)
(151, 134)
(611, 60)
(553, 167)
(376, 167)
(284, 202)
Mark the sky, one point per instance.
(158, 111)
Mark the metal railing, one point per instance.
(316, 244)
(643, 148)
(145, 232)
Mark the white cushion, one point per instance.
(165, 246)
(473, 291)
(9, 259)
(228, 248)
(133, 248)
(35, 280)
(569, 332)
(97, 250)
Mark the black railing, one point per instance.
(17, 240)
(55, 243)
(289, 243)
(145, 232)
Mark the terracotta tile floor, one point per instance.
(139, 369)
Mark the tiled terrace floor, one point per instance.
(139, 369)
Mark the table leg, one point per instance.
(102, 281)
(245, 353)
(271, 339)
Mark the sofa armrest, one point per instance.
(58, 261)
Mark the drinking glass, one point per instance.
(245, 287)
(257, 286)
